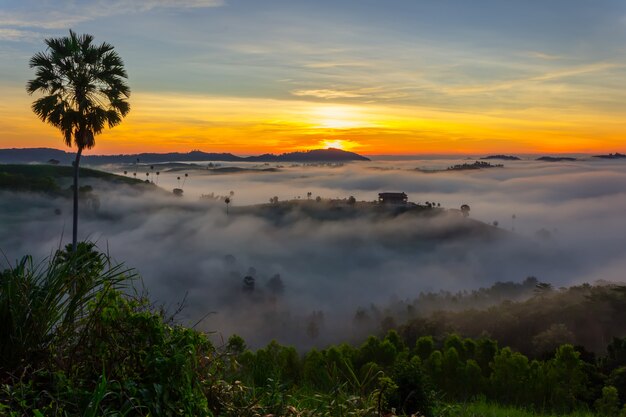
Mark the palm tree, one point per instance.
(84, 89)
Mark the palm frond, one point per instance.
(83, 85)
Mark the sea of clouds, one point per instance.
(185, 248)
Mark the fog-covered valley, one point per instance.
(560, 222)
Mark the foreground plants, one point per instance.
(76, 340)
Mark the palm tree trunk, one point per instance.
(75, 219)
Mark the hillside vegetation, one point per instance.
(78, 340)
(50, 178)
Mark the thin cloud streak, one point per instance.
(18, 35)
(73, 14)
(548, 76)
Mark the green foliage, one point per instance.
(617, 378)
(409, 393)
(424, 346)
(510, 377)
(46, 179)
(608, 404)
(20, 182)
(566, 378)
(274, 362)
(48, 305)
(75, 345)
(534, 323)
(488, 409)
(76, 342)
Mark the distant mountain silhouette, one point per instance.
(555, 158)
(43, 155)
(615, 155)
(502, 157)
(316, 155)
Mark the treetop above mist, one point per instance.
(615, 155)
(502, 157)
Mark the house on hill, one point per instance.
(393, 198)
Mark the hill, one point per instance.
(615, 155)
(316, 155)
(44, 155)
(47, 178)
(555, 159)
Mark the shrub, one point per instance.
(608, 404)
(409, 392)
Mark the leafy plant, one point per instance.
(47, 304)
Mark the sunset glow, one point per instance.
(386, 89)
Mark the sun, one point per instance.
(344, 145)
(336, 144)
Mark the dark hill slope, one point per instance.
(44, 155)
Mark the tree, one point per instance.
(608, 404)
(84, 89)
(510, 376)
(567, 379)
(424, 346)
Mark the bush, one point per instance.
(75, 344)
(46, 306)
(409, 393)
(608, 404)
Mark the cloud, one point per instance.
(559, 74)
(326, 93)
(337, 64)
(189, 246)
(17, 35)
(68, 14)
(544, 56)
(371, 93)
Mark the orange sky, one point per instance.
(175, 122)
(396, 77)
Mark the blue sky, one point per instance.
(452, 56)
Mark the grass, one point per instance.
(486, 409)
(40, 304)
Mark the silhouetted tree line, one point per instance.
(531, 317)
(583, 315)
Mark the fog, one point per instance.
(187, 247)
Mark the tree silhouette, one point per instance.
(185, 180)
(276, 285)
(84, 89)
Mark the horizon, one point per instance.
(404, 78)
(94, 152)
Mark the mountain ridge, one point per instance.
(43, 155)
